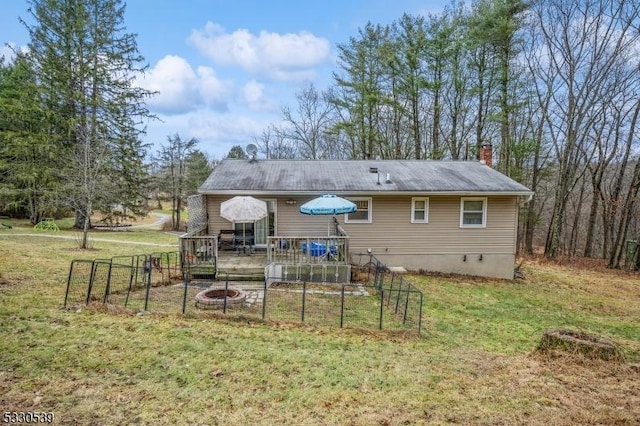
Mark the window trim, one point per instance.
(413, 209)
(369, 211)
(484, 212)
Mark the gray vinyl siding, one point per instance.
(214, 221)
(289, 221)
(392, 232)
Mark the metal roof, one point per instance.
(357, 176)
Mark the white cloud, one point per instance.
(181, 89)
(254, 97)
(221, 128)
(6, 53)
(213, 90)
(289, 57)
(217, 132)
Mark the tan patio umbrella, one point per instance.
(243, 209)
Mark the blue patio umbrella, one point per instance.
(328, 205)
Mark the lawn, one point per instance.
(475, 363)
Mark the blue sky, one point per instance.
(225, 68)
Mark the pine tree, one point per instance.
(173, 160)
(360, 91)
(86, 64)
(28, 152)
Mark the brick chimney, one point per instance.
(486, 154)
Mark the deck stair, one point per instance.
(242, 274)
(241, 267)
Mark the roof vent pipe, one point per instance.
(388, 178)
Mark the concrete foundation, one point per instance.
(478, 264)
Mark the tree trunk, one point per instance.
(575, 230)
(80, 219)
(481, 101)
(593, 213)
(85, 231)
(505, 137)
(632, 194)
(532, 215)
(627, 214)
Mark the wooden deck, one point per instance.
(205, 261)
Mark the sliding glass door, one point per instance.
(266, 227)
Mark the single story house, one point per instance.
(444, 216)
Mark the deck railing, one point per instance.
(308, 249)
(199, 255)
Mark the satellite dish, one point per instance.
(252, 151)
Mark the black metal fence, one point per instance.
(374, 298)
(401, 301)
(143, 282)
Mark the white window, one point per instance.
(363, 214)
(473, 212)
(420, 210)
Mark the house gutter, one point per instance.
(526, 198)
(525, 194)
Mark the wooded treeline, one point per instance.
(72, 119)
(552, 85)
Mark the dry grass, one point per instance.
(475, 365)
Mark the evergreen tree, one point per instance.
(236, 151)
(495, 26)
(412, 82)
(199, 167)
(28, 154)
(173, 159)
(85, 64)
(360, 94)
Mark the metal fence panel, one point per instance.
(283, 302)
(99, 278)
(361, 306)
(78, 282)
(120, 284)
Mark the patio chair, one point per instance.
(244, 238)
(226, 239)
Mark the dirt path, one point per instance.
(73, 237)
(161, 219)
(157, 225)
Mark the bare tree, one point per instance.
(308, 125)
(583, 43)
(626, 205)
(273, 145)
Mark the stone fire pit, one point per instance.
(215, 297)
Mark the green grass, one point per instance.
(507, 318)
(142, 236)
(475, 363)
